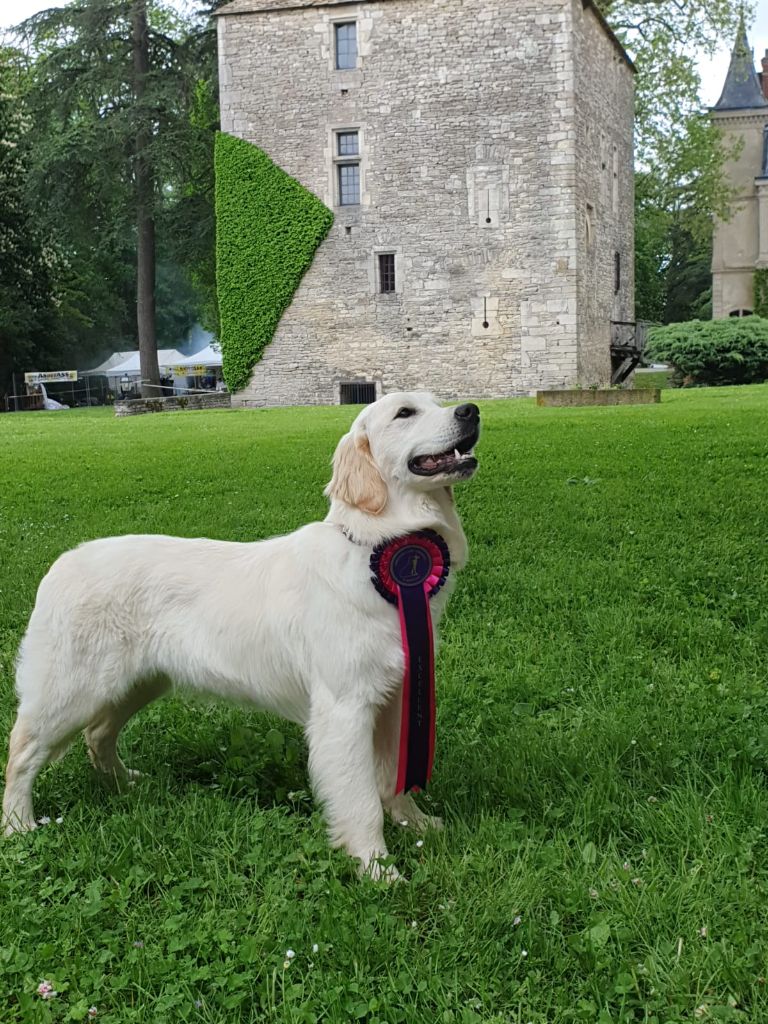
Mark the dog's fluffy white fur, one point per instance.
(292, 625)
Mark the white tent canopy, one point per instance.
(169, 360)
(208, 357)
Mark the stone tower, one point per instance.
(478, 158)
(740, 245)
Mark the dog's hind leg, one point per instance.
(35, 740)
(102, 731)
(51, 712)
(403, 808)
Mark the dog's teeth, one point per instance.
(457, 453)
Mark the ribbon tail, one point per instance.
(432, 708)
(417, 724)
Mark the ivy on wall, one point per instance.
(268, 227)
(761, 293)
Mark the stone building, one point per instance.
(478, 158)
(740, 245)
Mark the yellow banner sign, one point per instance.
(190, 371)
(50, 376)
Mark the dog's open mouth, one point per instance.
(456, 461)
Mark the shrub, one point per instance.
(268, 227)
(732, 351)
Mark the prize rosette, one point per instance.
(407, 572)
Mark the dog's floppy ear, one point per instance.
(356, 480)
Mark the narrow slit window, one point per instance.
(617, 272)
(386, 272)
(346, 45)
(349, 184)
(589, 225)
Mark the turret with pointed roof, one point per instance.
(740, 244)
(742, 87)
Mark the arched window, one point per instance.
(740, 312)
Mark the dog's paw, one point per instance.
(425, 822)
(420, 822)
(16, 827)
(126, 779)
(379, 872)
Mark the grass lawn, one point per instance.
(652, 379)
(601, 756)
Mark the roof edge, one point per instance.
(617, 44)
(258, 8)
(255, 7)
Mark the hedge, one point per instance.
(732, 351)
(268, 227)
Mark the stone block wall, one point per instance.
(604, 193)
(180, 403)
(469, 119)
(736, 242)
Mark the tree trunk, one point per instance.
(145, 224)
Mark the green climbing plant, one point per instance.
(761, 293)
(268, 227)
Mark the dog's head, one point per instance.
(405, 440)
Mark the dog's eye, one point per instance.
(404, 413)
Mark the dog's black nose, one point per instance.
(469, 413)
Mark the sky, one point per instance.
(713, 70)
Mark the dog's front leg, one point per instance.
(403, 809)
(341, 765)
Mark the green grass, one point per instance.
(601, 759)
(655, 379)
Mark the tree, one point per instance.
(144, 189)
(27, 302)
(679, 152)
(113, 86)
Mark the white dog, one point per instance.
(292, 625)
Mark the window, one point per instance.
(386, 272)
(617, 272)
(346, 45)
(348, 144)
(740, 312)
(357, 393)
(347, 148)
(349, 184)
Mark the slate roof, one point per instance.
(742, 89)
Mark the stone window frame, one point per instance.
(374, 273)
(339, 160)
(335, 24)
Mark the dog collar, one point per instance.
(353, 540)
(407, 572)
